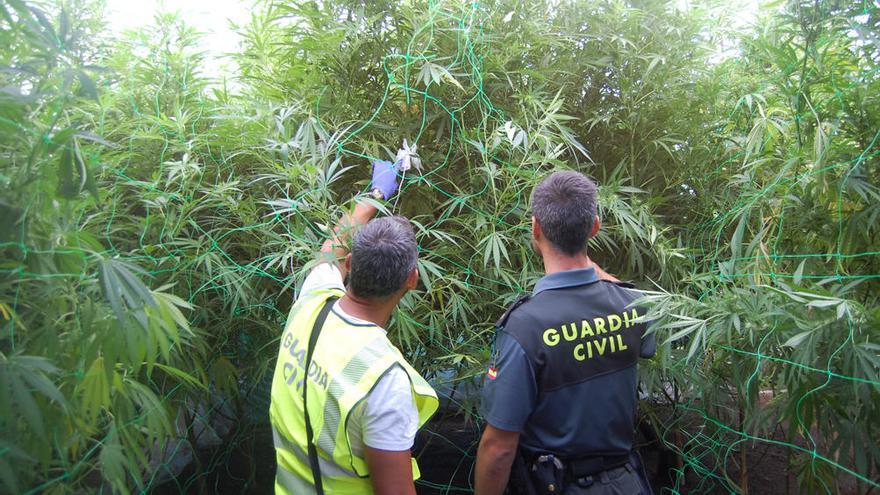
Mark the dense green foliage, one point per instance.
(155, 224)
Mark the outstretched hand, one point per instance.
(385, 177)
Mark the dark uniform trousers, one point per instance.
(622, 480)
(628, 479)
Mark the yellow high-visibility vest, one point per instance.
(348, 360)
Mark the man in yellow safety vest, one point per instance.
(345, 403)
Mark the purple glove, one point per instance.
(385, 177)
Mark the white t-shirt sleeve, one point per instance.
(390, 418)
(323, 276)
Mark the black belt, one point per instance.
(590, 465)
(545, 473)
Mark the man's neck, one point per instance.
(555, 262)
(367, 310)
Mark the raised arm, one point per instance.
(335, 248)
(384, 183)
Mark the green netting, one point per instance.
(156, 228)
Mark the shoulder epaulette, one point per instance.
(620, 283)
(515, 304)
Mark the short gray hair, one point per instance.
(383, 253)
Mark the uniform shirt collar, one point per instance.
(568, 278)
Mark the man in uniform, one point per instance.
(345, 404)
(560, 396)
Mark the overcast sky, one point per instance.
(210, 17)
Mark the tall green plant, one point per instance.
(97, 353)
(782, 321)
(157, 224)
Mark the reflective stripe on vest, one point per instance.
(349, 377)
(348, 361)
(328, 468)
(287, 482)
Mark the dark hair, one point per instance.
(564, 203)
(383, 253)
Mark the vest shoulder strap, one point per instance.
(620, 283)
(313, 339)
(515, 304)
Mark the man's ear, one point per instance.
(347, 263)
(536, 229)
(412, 280)
(596, 226)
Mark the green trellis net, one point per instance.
(156, 226)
